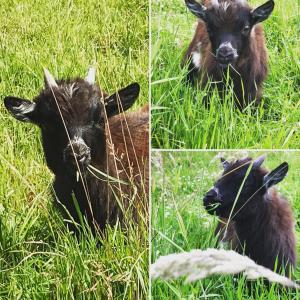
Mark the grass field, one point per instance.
(179, 119)
(180, 222)
(39, 258)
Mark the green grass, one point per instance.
(39, 258)
(180, 222)
(179, 118)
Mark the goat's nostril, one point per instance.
(83, 156)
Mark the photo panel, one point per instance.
(225, 75)
(206, 203)
(74, 149)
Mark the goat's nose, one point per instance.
(77, 150)
(225, 52)
(212, 193)
(210, 196)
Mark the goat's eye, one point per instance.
(246, 29)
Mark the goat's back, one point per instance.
(128, 149)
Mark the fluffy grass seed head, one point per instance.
(199, 264)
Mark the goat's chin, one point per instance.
(74, 170)
(221, 212)
(224, 66)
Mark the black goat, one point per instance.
(258, 221)
(86, 135)
(229, 38)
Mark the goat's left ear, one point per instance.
(262, 12)
(21, 109)
(122, 100)
(276, 175)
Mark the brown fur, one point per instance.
(128, 150)
(127, 161)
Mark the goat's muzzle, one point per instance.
(77, 154)
(212, 200)
(226, 55)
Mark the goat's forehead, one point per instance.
(73, 92)
(225, 4)
(72, 99)
(237, 168)
(78, 87)
(228, 13)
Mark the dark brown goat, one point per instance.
(94, 149)
(255, 219)
(228, 40)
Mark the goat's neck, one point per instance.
(256, 223)
(256, 232)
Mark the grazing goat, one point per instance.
(229, 40)
(85, 134)
(258, 221)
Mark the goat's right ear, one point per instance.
(276, 175)
(122, 100)
(21, 109)
(196, 8)
(224, 163)
(262, 12)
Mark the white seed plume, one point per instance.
(77, 176)
(199, 264)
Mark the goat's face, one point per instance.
(71, 115)
(229, 24)
(241, 185)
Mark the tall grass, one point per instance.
(180, 222)
(39, 258)
(179, 118)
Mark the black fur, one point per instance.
(261, 218)
(72, 120)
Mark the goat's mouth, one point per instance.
(218, 208)
(78, 163)
(211, 205)
(224, 64)
(212, 208)
(226, 61)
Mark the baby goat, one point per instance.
(259, 222)
(94, 150)
(229, 40)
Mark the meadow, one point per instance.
(39, 257)
(179, 118)
(180, 222)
